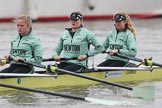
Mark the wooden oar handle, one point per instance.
(52, 59)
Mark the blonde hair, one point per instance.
(27, 20)
(128, 22)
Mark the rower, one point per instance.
(25, 46)
(120, 40)
(75, 42)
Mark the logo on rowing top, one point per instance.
(111, 74)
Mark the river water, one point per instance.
(148, 43)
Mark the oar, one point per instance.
(146, 62)
(88, 99)
(4, 61)
(51, 59)
(142, 91)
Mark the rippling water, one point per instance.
(149, 41)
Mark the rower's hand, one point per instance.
(18, 59)
(7, 57)
(113, 52)
(82, 57)
(57, 58)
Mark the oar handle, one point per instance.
(52, 59)
(4, 61)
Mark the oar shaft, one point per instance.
(34, 64)
(30, 63)
(94, 100)
(41, 91)
(127, 57)
(157, 64)
(137, 59)
(94, 79)
(48, 59)
(51, 59)
(130, 58)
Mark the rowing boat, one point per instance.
(113, 74)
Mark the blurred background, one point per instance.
(57, 10)
(51, 17)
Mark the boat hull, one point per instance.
(69, 80)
